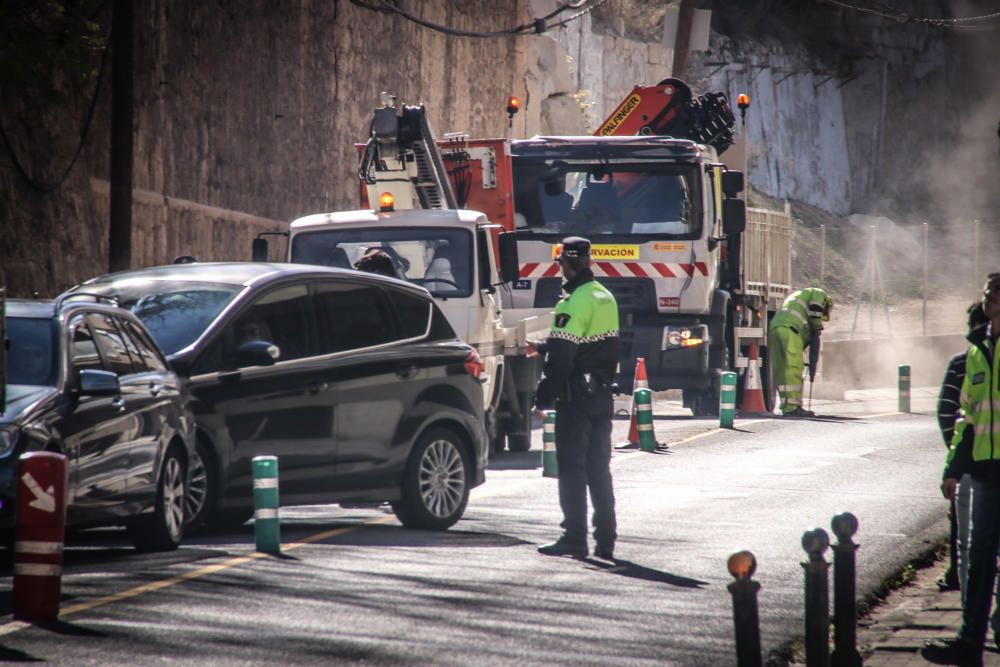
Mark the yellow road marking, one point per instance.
(14, 626)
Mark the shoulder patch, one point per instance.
(978, 378)
(562, 319)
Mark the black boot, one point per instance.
(564, 547)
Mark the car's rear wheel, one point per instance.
(163, 530)
(200, 487)
(436, 482)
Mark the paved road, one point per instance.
(352, 587)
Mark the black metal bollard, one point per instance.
(845, 651)
(815, 543)
(742, 565)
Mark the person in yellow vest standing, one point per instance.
(793, 328)
(980, 403)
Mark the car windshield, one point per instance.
(176, 312)
(436, 258)
(31, 358)
(589, 199)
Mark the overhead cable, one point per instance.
(535, 27)
(884, 11)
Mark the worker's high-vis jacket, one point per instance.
(804, 311)
(583, 339)
(980, 400)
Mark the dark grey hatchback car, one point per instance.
(355, 381)
(84, 379)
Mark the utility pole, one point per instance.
(682, 44)
(120, 224)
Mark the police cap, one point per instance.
(575, 247)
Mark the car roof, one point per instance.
(30, 308)
(241, 274)
(65, 305)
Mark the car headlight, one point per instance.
(8, 439)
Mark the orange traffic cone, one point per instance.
(640, 382)
(753, 395)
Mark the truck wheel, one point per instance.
(520, 440)
(436, 482)
(494, 431)
(704, 402)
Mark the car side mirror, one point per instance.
(258, 250)
(734, 216)
(94, 382)
(510, 269)
(257, 353)
(732, 183)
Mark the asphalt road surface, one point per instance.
(353, 587)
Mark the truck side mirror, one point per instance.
(734, 216)
(510, 269)
(258, 250)
(732, 183)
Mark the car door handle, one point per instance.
(317, 388)
(407, 370)
(118, 402)
(155, 389)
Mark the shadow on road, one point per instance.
(14, 655)
(627, 568)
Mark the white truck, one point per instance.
(466, 262)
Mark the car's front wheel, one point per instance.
(163, 530)
(436, 482)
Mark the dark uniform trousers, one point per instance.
(583, 452)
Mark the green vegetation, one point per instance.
(43, 42)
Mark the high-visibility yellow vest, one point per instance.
(980, 401)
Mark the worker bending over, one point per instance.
(796, 326)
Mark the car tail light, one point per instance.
(474, 365)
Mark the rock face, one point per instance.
(246, 114)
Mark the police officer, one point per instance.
(793, 328)
(581, 355)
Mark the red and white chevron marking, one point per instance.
(621, 270)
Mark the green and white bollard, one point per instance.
(644, 419)
(904, 388)
(265, 502)
(727, 400)
(550, 466)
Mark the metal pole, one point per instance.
(904, 388)
(924, 289)
(871, 313)
(742, 565)
(845, 651)
(120, 219)
(822, 255)
(815, 542)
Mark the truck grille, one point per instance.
(634, 295)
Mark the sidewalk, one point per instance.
(896, 630)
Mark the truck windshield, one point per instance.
(31, 357)
(436, 258)
(587, 199)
